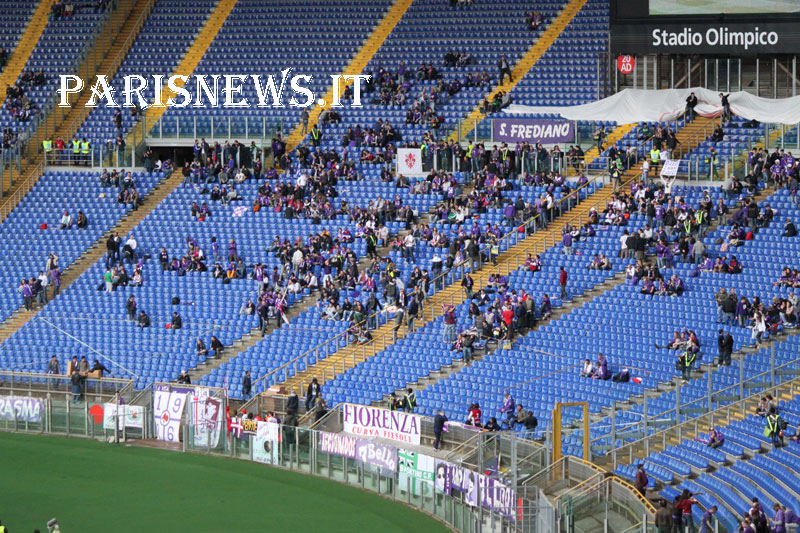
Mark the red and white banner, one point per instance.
(409, 161)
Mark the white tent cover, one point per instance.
(639, 105)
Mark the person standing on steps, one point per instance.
(562, 281)
(304, 121)
(505, 69)
(438, 428)
(246, 386)
(312, 394)
(641, 480)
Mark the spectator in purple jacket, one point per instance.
(55, 280)
(509, 213)
(601, 370)
(566, 243)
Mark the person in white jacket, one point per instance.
(759, 327)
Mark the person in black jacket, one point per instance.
(788, 229)
(216, 345)
(112, 250)
(144, 320)
(438, 427)
(292, 403)
(98, 366)
(130, 307)
(246, 386)
(177, 321)
(312, 393)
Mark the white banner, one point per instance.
(670, 167)
(409, 161)
(206, 419)
(132, 416)
(265, 443)
(415, 470)
(376, 422)
(167, 412)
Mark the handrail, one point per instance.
(39, 375)
(463, 446)
(82, 58)
(625, 483)
(739, 386)
(575, 194)
(319, 422)
(16, 197)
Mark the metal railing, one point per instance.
(734, 396)
(37, 384)
(579, 488)
(213, 127)
(51, 116)
(443, 280)
(16, 197)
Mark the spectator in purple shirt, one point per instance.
(601, 370)
(507, 409)
(566, 242)
(55, 280)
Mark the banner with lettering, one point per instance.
(379, 458)
(546, 131)
(415, 470)
(338, 444)
(167, 413)
(364, 421)
(21, 409)
(243, 428)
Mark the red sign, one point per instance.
(626, 63)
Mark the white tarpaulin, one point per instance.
(639, 105)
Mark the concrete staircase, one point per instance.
(526, 62)
(356, 66)
(186, 67)
(130, 16)
(27, 42)
(694, 133)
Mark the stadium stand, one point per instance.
(307, 267)
(40, 215)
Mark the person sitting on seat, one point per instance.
(588, 369)
(788, 229)
(715, 438)
(177, 321)
(601, 370)
(200, 347)
(144, 320)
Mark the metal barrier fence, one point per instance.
(587, 498)
(729, 399)
(50, 404)
(300, 450)
(691, 429)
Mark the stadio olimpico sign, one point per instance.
(721, 36)
(719, 39)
